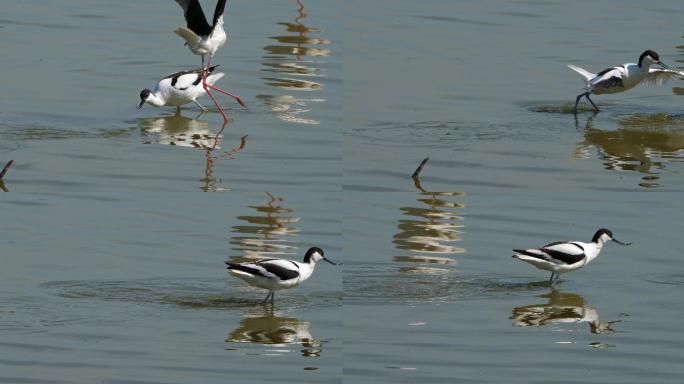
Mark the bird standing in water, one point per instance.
(277, 274)
(204, 39)
(566, 256)
(625, 77)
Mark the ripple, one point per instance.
(186, 293)
(674, 279)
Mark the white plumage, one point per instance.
(201, 37)
(277, 274)
(179, 88)
(565, 256)
(625, 77)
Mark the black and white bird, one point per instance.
(625, 77)
(566, 256)
(277, 274)
(204, 39)
(179, 88)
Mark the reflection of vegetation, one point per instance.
(291, 66)
(431, 229)
(560, 308)
(642, 143)
(266, 234)
(276, 330)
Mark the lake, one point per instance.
(118, 221)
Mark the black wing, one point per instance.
(218, 12)
(194, 16)
(275, 267)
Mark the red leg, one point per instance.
(237, 98)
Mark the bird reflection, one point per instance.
(642, 143)
(268, 233)
(181, 131)
(430, 230)
(561, 308)
(177, 130)
(269, 329)
(291, 64)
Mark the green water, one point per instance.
(113, 254)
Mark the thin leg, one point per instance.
(200, 105)
(577, 101)
(266, 298)
(237, 98)
(592, 103)
(272, 297)
(206, 88)
(551, 279)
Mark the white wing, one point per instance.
(660, 77)
(608, 77)
(566, 248)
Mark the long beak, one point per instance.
(664, 66)
(621, 243)
(330, 261)
(141, 104)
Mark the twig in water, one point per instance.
(420, 168)
(4, 170)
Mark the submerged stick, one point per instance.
(4, 170)
(420, 168)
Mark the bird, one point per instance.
(204, 39)
(277, 274)
(179, 88)
(625, 77)
(566, 256)
(200, 37)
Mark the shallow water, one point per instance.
(113, 258)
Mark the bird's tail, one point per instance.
(189, 36)
(586, 75)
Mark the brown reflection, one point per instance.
(642, 143)
(266, 234)
(428, 232)
(274, 330)
(561, 308)
(291, 63)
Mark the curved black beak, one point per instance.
(141, 104)
(663, 65)
(330, 261)
(621, 243)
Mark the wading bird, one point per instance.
(566, 256)
(277, 274)
(625, 77)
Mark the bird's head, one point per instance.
(603, 236)
(144, 95)
(651, 57)
(315, 254)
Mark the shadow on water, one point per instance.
(559, 309)
(643, 143)
(292, 64)
(181, 131)
(270, 232)
(270, 334)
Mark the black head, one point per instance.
(600, 233)
(651, 54)
(600, 236)
(315, 254)
(144, 94)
